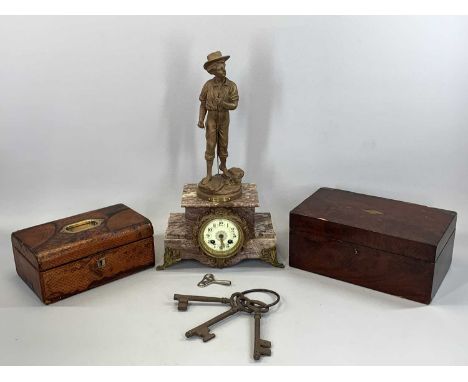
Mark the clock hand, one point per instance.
(221, 239)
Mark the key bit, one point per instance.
(203, 332)
(210, 279)
(185, 298)
(261, 347)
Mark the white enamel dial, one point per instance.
(220, 237)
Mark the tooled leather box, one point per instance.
(68, 256)
(399, 248)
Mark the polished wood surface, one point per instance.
(393, 226)
(398, 248)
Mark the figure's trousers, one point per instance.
(217, 130)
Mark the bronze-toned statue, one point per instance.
(218, 96)
(219, 226)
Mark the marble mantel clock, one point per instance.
(219, 227)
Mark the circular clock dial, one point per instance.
(220, 237)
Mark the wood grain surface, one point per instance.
(394, 247)
(393, 226)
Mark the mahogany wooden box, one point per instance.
(68, 256)
(394, 247)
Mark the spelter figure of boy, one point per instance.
(218, 96)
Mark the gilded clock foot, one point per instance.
(270, 256)
(171, 257)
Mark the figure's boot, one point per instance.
(223, 168)
(209, 168)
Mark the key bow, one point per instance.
(210, 279)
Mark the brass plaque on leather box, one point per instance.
(394, 247)
(68, 256)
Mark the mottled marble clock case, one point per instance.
(180, 243)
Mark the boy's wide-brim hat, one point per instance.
(213, 57)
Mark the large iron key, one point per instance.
(203, 330)
(184, 300)
(261, 347)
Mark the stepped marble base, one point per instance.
(180, 243)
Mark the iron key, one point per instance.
(185, 298)
(261, 347)
(239, 303)
(203, 330)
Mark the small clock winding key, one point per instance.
(209, 279)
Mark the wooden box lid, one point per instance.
(402, 228)
(62, 241)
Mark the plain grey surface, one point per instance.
(101, 110)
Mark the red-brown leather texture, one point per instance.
(46, 246)
(57, 264)
(84, 274)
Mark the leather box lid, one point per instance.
(402, 228)
(62, 241)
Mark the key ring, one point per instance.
(233, 299)
(255, 306)
(247, 305)
(264, 291)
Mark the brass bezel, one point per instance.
(220, 214)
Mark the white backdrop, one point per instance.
(102, 110)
